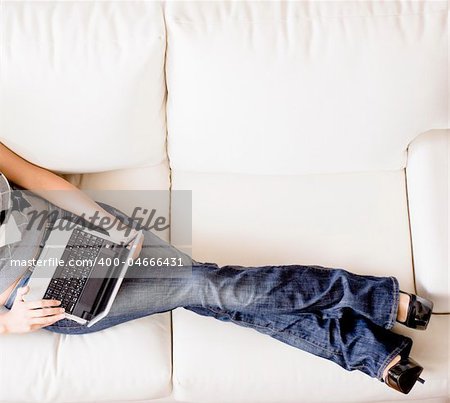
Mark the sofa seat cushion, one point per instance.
(131, 361)
(223, 362)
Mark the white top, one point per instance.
(9, 232)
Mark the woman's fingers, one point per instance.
(46, 320)
(38, 313)
(42, 303)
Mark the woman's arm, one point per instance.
(55, 189)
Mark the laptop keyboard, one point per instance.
(69, 279)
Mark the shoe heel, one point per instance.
(403, 375)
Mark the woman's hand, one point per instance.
(25, 317)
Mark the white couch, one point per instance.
(308, 132)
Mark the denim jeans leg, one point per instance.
(296, 289)
(263, 290)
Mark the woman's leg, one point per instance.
(275, 293)
(296, 289)
(256, 290)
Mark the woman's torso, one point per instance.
(26, 243)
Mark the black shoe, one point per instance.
(403, 375)
(419, 312)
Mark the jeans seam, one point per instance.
(394, 307)
(360, 366)
(68, 326)
(277, 331)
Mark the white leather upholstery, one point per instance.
(428, 187)
(82, 83)
(302, 87)
(127, 362)
(223, 362)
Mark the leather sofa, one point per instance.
(309, 132)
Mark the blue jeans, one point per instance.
(332, 313)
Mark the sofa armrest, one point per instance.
(427, 174)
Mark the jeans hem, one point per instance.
(405, 345)
(394, 308)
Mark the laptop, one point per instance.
(81, 267)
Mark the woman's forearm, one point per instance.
(49, 186)
(67, 196)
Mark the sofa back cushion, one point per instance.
(82, 83)
(302, 87)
